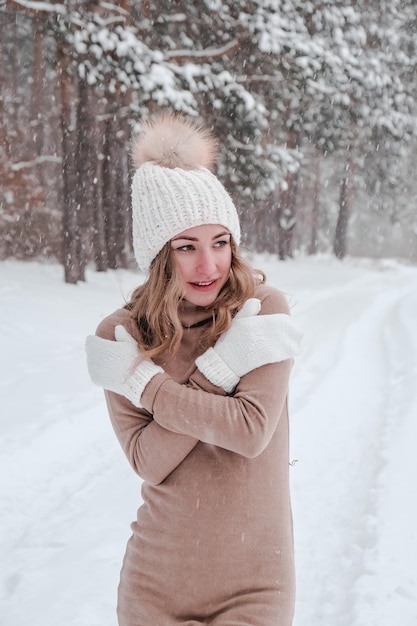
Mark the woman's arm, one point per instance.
(244, 422)
(153, 451)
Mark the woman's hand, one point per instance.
(251, 341)
(117, 365)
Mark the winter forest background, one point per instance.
(314, 104)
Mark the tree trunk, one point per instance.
(86, 170)
(9, 98)
(123, 215)
(73, 270)
(340, 239)
(38, 66)
(109, 194)
(262, 226)
(5, 87)
(99, 242)
(116, 196)
(313, 247)
(287, 219)
(287, 208)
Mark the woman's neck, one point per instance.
(191, 315)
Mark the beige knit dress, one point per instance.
(213, 541)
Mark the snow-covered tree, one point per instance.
(286, 86)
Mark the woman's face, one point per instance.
(203, 257)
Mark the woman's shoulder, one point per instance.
(273, 300)
(120, 317)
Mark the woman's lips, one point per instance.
(205, 285)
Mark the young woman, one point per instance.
(196, 369)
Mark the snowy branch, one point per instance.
(109, 21)
(207, 55)
(15, 167)
(38, 7)
(113, 7)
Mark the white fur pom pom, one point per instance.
(171, 141)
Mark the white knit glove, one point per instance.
(113, 365)
(251, 341)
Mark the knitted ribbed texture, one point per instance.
(217, 371)
(136, 383)
(167, 201)
(249, 343)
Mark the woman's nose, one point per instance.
(206, 263)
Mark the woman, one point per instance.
(196, 369)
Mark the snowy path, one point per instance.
(68, 495)
(354, 399)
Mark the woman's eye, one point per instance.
(220, 244)
(185, 248)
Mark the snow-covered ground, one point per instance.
(68, 495)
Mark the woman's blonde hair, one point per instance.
(154, 305)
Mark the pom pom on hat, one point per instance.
(173, 188)
(174, 142)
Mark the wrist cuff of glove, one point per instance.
(216, 370)
(136, 383)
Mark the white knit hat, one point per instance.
(172, 188)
